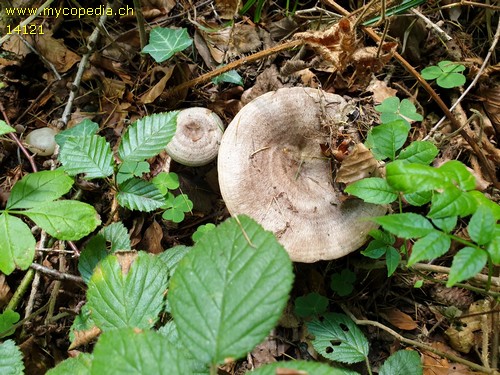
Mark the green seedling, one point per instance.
(446, 73)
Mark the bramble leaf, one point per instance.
(446, 224)
(419, 198)
(11, 362)
(85, 128)
(141, 195)
(405, 362)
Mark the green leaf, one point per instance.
(128, 351)
(446, 224)
(429, 247)
(117, 234)
(85, 128)
(408, 110)
(302, 367)
(148, 136)
(450, 80)
(457, 173)
(39, 187)
(80, 365)
(82, 322)
(166, 181)
(450, 66)
(431, 72)
(482, 225)
(481, 199)
(89, 154)
(141, 195)
(119, 296)
(382, 236)
(392, 109)
(407, 225)
(7, 319)
(130, 169)
(467, 263)
(413, 177)
(173, 256)
(376, 249)
(446, 73)
(202, 230)
(421, 152)
(164, 43)
(311, 304)
(229, 291)
(338, 338)
(392, 260)
(176, 208)
(5, 129)
(494, 247)
(17, 244)
(373, 190)
(230, 77)
(418, 198)
(11, 359)
(389, 105)
(343, 283)
(451, 202)
(384, 140)
(405, 362)
(65, 220)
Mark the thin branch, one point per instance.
(56, 274)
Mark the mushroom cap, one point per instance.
(271, 168)
(42, 141)
(197, 138)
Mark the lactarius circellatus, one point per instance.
(197, 138)
(42, 141)
(271, 168)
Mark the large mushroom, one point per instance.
(271, 168)
(197, 138)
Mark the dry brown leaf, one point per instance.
(227, 9)
(16, 46)
(154, 92)
(399, 319)
(359, 164)
(125, 259)
(4, 291)
(151, 241)
(380, 90)
(56, 52)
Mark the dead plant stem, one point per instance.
(440, 269)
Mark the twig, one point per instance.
(55, 290)
(140, 23)
(417, 344)
(27, 20)
(433, 26)
(81, 68)
(469, 3)
(473, 83)
(56, 274)
(21, 289)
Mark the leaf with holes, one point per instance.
(164, 43)
(405, 362)
(141, 195)
(127, 290)
(229, 291)
(338, 338)
(17, 244)
(148, 136)
(467, 263)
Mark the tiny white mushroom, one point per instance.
(271, 168)
(197, 138)
(42, 141)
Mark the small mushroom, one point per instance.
(197, 138)
(42, 141)
(271, 168)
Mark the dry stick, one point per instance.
(56, 274)
(418, 344)
(81, 68)
(410, 69)
(440, 269)
(474, 81)
(235, 64)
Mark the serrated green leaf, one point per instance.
(128, 351)
(338, 338)
(39, 187)
(17, 244)
(130, 169)
(457, 173)
(418, 198)
(141, 195)
(429, 247)
(85, 128)
(166, 181)
(413, 177)
(117, 234)
(373, 190)
(467, 263)
(343, 283)
(82, 322)
(494, 247)
(431, 72)
(406, 225)
(230, 77)
(7, 319)
(164, 43)
(384, 140)
(89, 154)
(481, 199)
(65, 220)
(119, 297)
(421, 152)
(229, 291)
(451, 202)
(92, 254)
(302, 367)
(201, 231)
(11, 359)
(405, 362)
(392, 260)
(148, 136)
(446, 224)
(80, 365)
(173, 256)
(311, 304)
(5, 129)
(482, 225)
